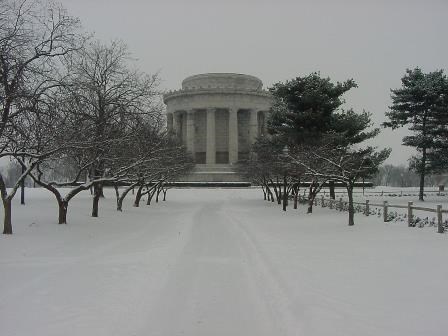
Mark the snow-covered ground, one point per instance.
(217, 262)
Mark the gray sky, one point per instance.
(372, 42)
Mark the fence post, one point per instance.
(439, 219)
(340, 204)
(322, 200)
(367, 208)
(385, 211)
(410, 213)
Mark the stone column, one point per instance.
(190, 131)
(176, 124)
(233, 135)
(211, 137)
(261, 123)
(169, 122)
(253, 125)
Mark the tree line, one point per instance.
(313, 139)
(69, 100)
(399, 176)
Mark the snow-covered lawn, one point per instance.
(217, 262)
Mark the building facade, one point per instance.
(218, 116)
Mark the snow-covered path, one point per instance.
(216, 286)
(217, 262)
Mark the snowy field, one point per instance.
(217, 262)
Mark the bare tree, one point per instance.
(350, 165)
(103, 126)
(337, 158)
(312, 166)
(110, 98)
(34, 36)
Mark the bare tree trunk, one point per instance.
(117, 197)
(264, 192)
(310, 199)
(351, 209)
(7, 211)
(62, 201)
(310, 204)
(22, 188)
(97, 190)
(157, 195)
(7, 219)
(120, 204)
(277, 193)
(62, 216)
(164, 194)
(285, 193)
(138, 196)
(280, 196)
(124, 193)
(150, 196)
(332, 192)
(422, 176)
(295, 199)
(268, 191)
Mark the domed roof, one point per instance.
(222, 80)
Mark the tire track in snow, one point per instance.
(211, 289)
(275, 292)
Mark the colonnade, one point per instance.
(183, 124)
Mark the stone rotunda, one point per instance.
(218, 116)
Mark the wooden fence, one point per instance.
(394, 193)
(340, 205)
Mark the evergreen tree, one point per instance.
(303, 110)
(303, 107)
(421, 105)
(324, 139)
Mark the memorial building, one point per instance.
(218, 116)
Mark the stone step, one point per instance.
(213, 173)
(212, 177)
(214, 168)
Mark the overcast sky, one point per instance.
(372, 42)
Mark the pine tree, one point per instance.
(303, 107)
(420, 105)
